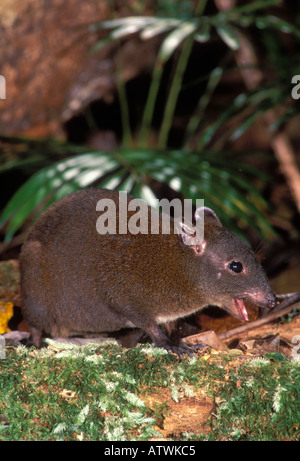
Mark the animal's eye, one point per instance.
(235, 266)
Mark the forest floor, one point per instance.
(247, 391)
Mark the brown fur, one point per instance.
(75, 281)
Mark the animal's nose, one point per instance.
(265, 300)
(271, 301)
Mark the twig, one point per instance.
(287, 160)
(287, 299)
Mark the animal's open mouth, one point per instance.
(241, 309)
(238, 308)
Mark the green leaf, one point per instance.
(125, 30)
(277, 23)
(203, 31)
(219, 179)
(196, 118)
(253, 6)
(174, 39)
(123, 22)
(158, 27)
(229, 36)
(51, 183)
(174, 91)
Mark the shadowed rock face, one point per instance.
(50, 73)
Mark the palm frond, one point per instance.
(186, 172)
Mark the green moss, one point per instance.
(95, 392)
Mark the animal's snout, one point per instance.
(271, 301)
(263, 299)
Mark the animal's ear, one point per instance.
(190, 236)
(208, 215)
